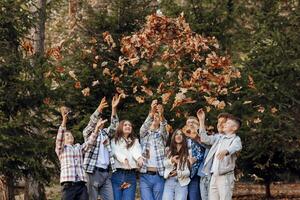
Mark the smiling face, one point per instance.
(178, 137)
(192, 123)
(69, 139)
(127, 128)
(221, 123)
(231, 126)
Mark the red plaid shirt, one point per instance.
(71, 157)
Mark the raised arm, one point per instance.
(114, 117)
(59, 143)
(204, 138)
(94, 119)
(92, 138)
(163, 123)
(147, 123)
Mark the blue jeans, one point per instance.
(194, 189)
(117, 179)
(152, 187)
(174, 191)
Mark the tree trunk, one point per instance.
(268, 190)
(36, 190)
(10, 187)
(40, 28)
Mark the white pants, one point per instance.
(221, 187)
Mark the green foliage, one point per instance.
(25, 150)
(263, 38)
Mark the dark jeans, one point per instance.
(74, 191)
(194, 189)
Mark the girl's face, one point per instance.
(178, 137)
(127, 127)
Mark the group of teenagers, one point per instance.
(187, 163)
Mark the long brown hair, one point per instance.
(183, 153)
(120, 134)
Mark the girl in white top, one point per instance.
(128, 157)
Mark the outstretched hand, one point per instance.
(153, 108)
(222, 154)
(201, 115)
(116, 100)
(100, 124)
(103, 104)
(64, 111)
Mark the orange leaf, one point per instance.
(140, 99)
(60, 69)
(77, 85)
(106, 71)
(86, 91)
(147, 90)
(165, 97)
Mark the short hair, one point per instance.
(235, 119)
(192, 117)
(223, 115)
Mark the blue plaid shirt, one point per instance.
(198, 152)
(159, 138)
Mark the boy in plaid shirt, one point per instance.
(98, 159)
(72, 176)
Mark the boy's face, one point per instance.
(69, 139)
(220, 125)
(230, 126)
(192, 123)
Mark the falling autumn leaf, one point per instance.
(247, 102)
(251, 82)
(257, 120)
(165, 97)
(106, 71)
(140, 99)
(86, 91)
(72, 74)
(60, 69)
(46, 101)
(77, 85)
(147, 91)
(273, 110)
(47, 74)
(134, 90)
(95, 83)
(261, 109)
